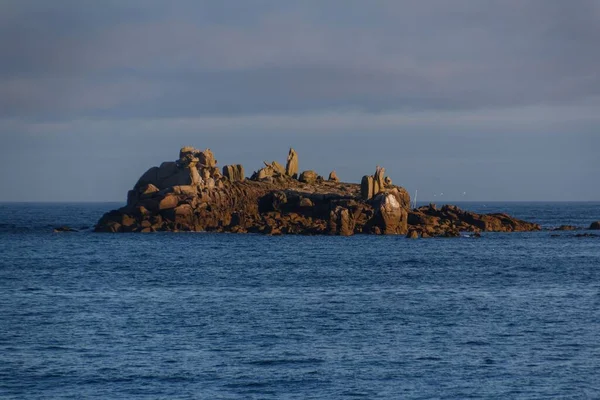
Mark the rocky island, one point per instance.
(193, 194)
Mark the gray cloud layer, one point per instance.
(186, 58)
(498, 98)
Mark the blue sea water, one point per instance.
(226, 316)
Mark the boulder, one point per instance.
(277, 168)
(195, 176)
(132, 197)
(378, 180)
(180, 177)
(263, 173)
(187, 151)
(412, 234)
(235, 173)
(308, 177)
(366, 187)
(165, 171)
(168, 202)
(291, 167)
(184, 215)
(206, 158)
(393, 217)
(148, 189)
(333, 177)
(187, 157)
(186, 190)
(595, 225)
(149, 177)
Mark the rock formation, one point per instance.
(595, 225)
(372, 185)
(448, 221)
(235, 173)
(291, 168)
(333, 177)
(309, 177)
(191, 194)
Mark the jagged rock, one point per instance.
(277, 168)
(263, 173)
(187, 157)
(367, 187)
(192, 195)
(291, 167)
(595, 225)
(206, 158)
(372, 185)
(449, 220)
(378, 180)
(187, 151)
(235, 173)
(308, 177)
(333, 177)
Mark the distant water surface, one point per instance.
(225, 316)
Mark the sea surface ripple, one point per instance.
(228, 316)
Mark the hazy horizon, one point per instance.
(478, 100)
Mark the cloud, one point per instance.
(134, 59)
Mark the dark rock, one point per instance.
(64, 229)
(566, 228)
(308, 177)
(333, 177)
(595, 225)
(581, 235)
(449, 219)
(191, 194)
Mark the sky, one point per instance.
(477, 100)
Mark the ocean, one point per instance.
(240, 316)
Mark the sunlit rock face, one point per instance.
(192, 194)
